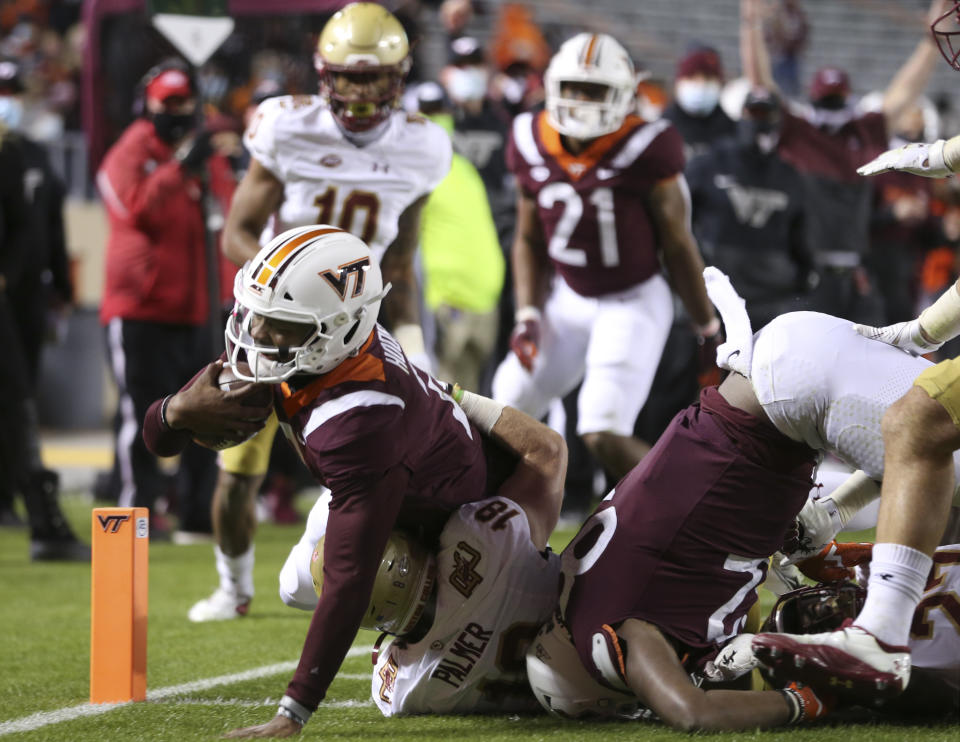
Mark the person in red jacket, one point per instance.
(155, 305)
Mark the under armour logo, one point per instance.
(338, 281)
(381, 166)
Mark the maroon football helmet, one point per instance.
(946, 32)
(812, 610)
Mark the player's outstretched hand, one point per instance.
(818, 524)
(206, 409)
(917, 158)
(733, 661)
(907, 336)
(837, 562)
(277, 727)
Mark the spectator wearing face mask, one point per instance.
(749, 214)
(696, 110)
(826, 141)
(155, 298)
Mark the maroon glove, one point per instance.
(525, 338)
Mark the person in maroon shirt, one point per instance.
(826, 142)
(385, 437)
(601, 201)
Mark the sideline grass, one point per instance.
(45, 623)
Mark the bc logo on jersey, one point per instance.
(340, 280)
(464, 576)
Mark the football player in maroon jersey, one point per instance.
(601, 202)
(393, 447)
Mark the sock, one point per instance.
(898, 575)
(236, 573)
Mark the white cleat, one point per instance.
(221, 606)
(850, 661)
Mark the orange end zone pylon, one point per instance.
(118, 605)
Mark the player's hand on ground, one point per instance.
(525, 338)
(907, 336)
(205, 409)
(916, 158)
(277, 727)
(836, 562)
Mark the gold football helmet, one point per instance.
(362, 59)
(403, 586)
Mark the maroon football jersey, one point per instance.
(684, 540)
(592, 206)
(394, 449)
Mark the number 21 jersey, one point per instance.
(592, 206)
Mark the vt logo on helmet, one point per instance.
(362, 59)
(305, 303)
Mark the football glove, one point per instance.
(805, 705)
(917, 159)
(836, 562)
(733, 661)
(904, 335)
(818, 523)
(525, 338)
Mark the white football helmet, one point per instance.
(316, 275)
(403, 586)
(562, 684)
(591, 58)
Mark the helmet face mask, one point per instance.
(590, 86)
(816, 609)
(320, 277)
(362, 59)
(946, 32)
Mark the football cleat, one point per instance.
(848, 662)
(221, 606)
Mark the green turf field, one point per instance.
(196, 690)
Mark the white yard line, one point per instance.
(45, 718)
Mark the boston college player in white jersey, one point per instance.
(345, 157)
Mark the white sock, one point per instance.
(898, 575)
(236, 573)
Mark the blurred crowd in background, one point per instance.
(476, 65)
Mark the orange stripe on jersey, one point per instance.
(362, 367)
(588, 56)
(577, 165)
(280, 255)
(616, 645)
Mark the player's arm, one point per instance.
(359, 524)
(531, 279)
(669, 206)
(258, 195)
(936, 324)
(401, 307)
(754, 55)
(911, 79)
(655, 675)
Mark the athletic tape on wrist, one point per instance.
(294, 710)
(482, 411)
(163, 411)
(796, 705)
(941, 320)
(854, 494)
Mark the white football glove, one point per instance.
(918, 159)
(734, 660)
(904, 335)
(820, 522)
